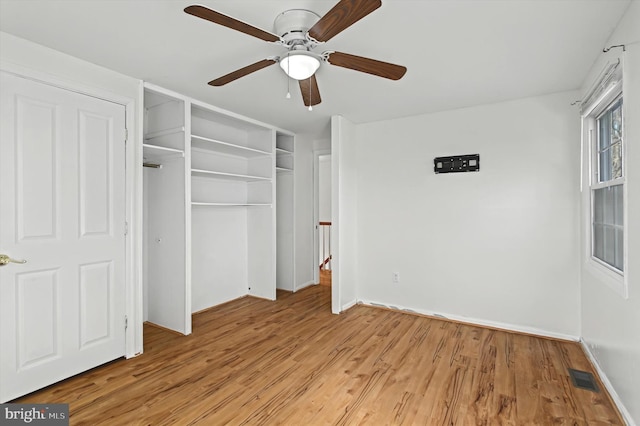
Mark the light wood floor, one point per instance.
(253, 361)
(325, 277)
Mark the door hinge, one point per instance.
(126, 135)
(126, 322)
(126, 228)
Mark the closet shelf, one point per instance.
(160, 133)
(155, 153)
(283, 170)
(226, 147)
(228, 176)
(281, 151)
(198, 203)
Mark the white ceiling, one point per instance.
(458, 52)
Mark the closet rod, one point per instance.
(152, 165)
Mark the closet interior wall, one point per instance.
(233, 219)
(285, 215)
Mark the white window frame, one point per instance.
(609, 275)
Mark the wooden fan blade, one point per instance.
(342, 16)
(229, 22)
(242, 72)
(310, 91)
(370, 66)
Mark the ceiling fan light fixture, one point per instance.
(300, 65)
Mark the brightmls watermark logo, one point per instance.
(34, 414)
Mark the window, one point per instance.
(603, 183)
(607, 185)
(607, 240)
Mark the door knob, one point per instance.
(4, 259)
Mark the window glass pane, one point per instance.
(618, 263)
(605, 165)
(616, 160)
(616, 140)
(616, 121)
(610, 143)
(607, 205)
(609, 244)
(604, 132)
(598, 242)
(608, 226)
(617, 205)
(598, 205)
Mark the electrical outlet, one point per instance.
(395, 277)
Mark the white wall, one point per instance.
(499, 246)
(344, 206)
(219, 270)
(324, 188)
(610, 323)
(304, 243)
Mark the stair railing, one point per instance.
(325, 245)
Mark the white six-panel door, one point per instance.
(62, 209)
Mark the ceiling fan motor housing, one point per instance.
(292, 26)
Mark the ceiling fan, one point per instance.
(300, 31)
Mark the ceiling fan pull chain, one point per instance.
(310, 100)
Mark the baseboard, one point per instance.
(607, 384)
(303, 285)
(162, 327)
(479, 322)
(349, 305)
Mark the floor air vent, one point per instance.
(583, 380)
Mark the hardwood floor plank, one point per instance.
(253, 361)
(503, 407)
(483, 381)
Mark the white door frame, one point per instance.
(133, 179)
